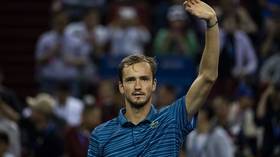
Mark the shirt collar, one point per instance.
(124, 122)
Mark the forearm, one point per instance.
(209, 62)
(261, 106)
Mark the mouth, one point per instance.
(138, 94)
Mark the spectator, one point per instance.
(238, 58)
(268, 115)
(106, 99)
(270, 44)
(10, 111)
(9, 126)
(221, 106)
(127, 35)
(68, 107)
(90, 33)
(208, 139)
(53, 53)
(77, 138)
(166, 95)
(40, 136)
(241, 120)
(270, 70)
(179, 38)
(245, 22)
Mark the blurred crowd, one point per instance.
(240, 119)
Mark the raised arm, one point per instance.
(208, 69)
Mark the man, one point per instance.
(39, 132)
(141, 130)
(209, 139)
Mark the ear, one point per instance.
(154, 85)
(121, 87)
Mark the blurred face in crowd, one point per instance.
(165, 96)
(221, 108)
(62, 93)
(229, 24)
(137, 84)
(127, 16)
(177, 25)
(60, 21)
(92, 118)
(245, 102)
(127, 22)
(106, 91)
(39, 118)
(91, 19)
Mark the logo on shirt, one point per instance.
(154, 124)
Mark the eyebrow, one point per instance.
(132, 78)
(144, 77)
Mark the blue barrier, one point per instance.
(173, 70)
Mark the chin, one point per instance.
(138, 104)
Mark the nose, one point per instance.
(137, 85)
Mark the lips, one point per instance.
(138, 93)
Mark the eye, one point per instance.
(130, 79)
(145, 78)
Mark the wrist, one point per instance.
(211, 22)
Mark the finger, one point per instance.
(190, 10)
(186, 4)
(192, 2)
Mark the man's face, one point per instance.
(60, 22)
(92, 118)
(137, 84)
(91, 20)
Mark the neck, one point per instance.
(136, 115)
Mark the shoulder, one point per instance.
(74, 29)
(175, 103)
(47, 36)
(75, 26)
(101, 28)
(105, 130)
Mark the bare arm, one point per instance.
(208, 69)
(261, 109)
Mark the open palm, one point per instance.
(199, 9)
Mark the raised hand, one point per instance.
(200, 9)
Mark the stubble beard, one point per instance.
(138, 105)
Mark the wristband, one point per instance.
(210, 26)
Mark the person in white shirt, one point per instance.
(90, 33)
(53, 55)
(236, 45)
(127, 36)
(67, 107)
(209, 139)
